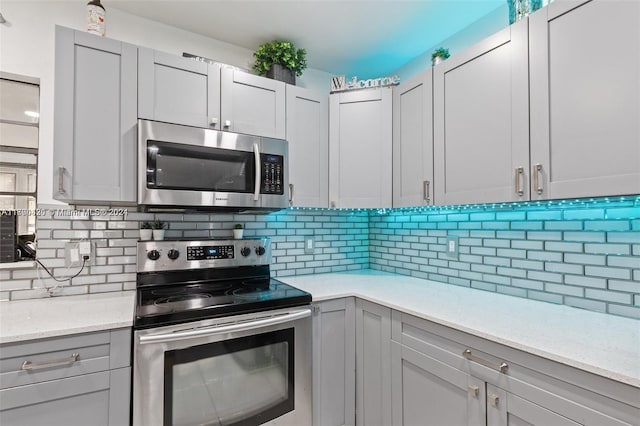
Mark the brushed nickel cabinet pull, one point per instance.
(290, 194)
(28, 365)
(502, 367)
(473, 391)
(227, 124)
(537, 168)
(425, 191)
(214, 121)
(519, 173)
(61, 180)
(494, 400)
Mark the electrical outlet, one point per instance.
(75, 251)
(452, 246)
(309, 245)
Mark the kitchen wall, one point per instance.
(580, 253)
(342, 244)
(27, 48)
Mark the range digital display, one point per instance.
(210, 252)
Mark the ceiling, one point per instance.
(367, 38)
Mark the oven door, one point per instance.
(242, 370)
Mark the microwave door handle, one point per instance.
(256, 155)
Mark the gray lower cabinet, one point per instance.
(585, 138)
(433, 383)
(72, 380)
(373, 364)
(95, 121)
(334, 363)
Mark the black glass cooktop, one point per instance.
(164, 299)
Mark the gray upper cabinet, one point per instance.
(373, 364)
(253, 105)
(413, 141)
(308, 136)
(481, 121)
(334, 358)
(360, 148)
(95, 119)
(585, 138)
(178, 90)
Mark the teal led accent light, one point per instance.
(631, 202)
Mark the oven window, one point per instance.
(180, 166)
(244, 381)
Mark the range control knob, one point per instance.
(260, 250)
(245, 251)
(173, 254)
(153, 255)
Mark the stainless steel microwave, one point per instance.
(203, 169)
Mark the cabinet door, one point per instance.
(253, 105)
(427, 391)
(91, 399)
(95, 119)
(360, 148)
(178, 90)
(373, 364)
(413, 141)
(334, 360)
(481, 121)
(507, 409)
(308, 136)
(585, 136)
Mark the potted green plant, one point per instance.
(238, 231)
(439, 55)
(280, 60)
(146, 231)
(158, 230)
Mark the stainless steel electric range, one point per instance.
(217, 341)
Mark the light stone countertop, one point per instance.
(602, 344)
(22, 320)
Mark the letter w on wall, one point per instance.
(338, 83)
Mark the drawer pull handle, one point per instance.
(494, 400)
(28, 365)
(503, 367)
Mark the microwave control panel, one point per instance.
(272, 169)
(210, 252)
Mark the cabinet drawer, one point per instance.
(26, 363)
(81, 400)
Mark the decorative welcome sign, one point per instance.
(340, 83)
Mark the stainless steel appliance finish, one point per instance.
(203, 169)
(216, 340)
(151, 346)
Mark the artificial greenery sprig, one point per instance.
(440, 52)
(282, 53)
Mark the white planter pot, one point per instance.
(237, 233)
(145, 234)
(158, 234)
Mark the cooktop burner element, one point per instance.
(216, 280)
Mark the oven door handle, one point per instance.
(214, 330)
